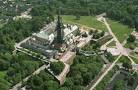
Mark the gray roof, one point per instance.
(43, 35)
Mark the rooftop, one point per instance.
(42, 34)
(68, 31)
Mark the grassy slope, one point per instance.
(120, 30)
(85, 20)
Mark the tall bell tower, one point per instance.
(59, 31)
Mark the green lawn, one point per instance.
(89, 21)
(134, 54)
(112, 44)
(135, 60)
(131, 45)
(120, 30)
(124, 59)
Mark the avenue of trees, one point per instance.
(127, 82)
(119, 85)
(81, 73)
(103, 84)
(43, 81)
(16, 67)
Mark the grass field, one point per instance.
(131, 45)
(124, 59)
(112, 44)
(135, 60)
(89, 21)
(120, 30)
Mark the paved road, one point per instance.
(18, 45)
(119, 46)
(97, 77)
(105, 59)
(105, 73)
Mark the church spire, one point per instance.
(59, 30)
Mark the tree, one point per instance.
(96, 45)
(102, 33)
(131, 38)
(16, 78)
(131, 46)
(52, 85)
(130, 81)
(3, 87)
(87, 77)
(37, 23)
(109, 56)
(77, 17)
(136, 23)
(78, 87)
(91, 32)
(136, 27)
(78, 80)
(96, 35)
(119, 85)
(84, 35)
(36, 81)
(63, 88)
(46, 76)
(57, 67)
(68, 83)
(11, 71)
(127, 65)
(4, 65)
